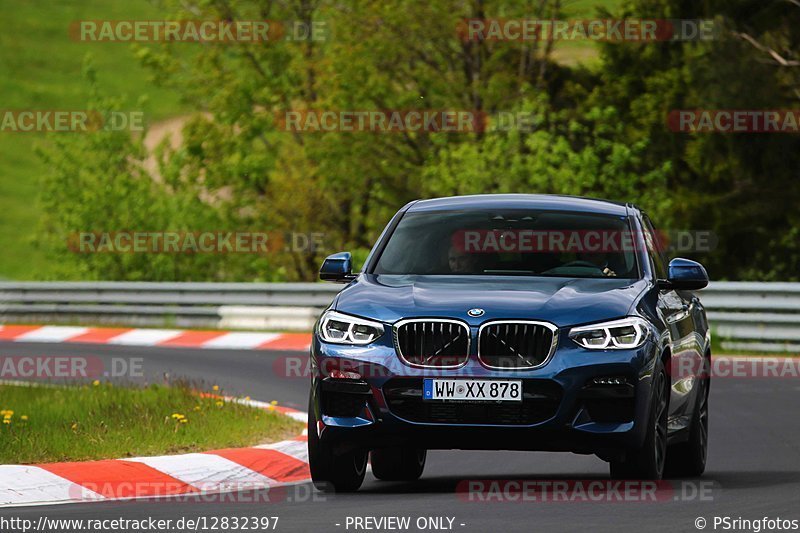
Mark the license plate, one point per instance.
(473, 390)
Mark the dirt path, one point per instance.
(171, 128)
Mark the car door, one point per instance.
(676, 310)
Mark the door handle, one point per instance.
(682, 314)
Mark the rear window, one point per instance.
(511, 243)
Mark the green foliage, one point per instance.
(562, 156)
(104, 421)
(598, 131)
(40, 68)
(741, 186)
(99, 182)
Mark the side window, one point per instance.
(654, 248)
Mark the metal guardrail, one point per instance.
(185, 293)
(292, 306)
(754, 316)
(745, 315)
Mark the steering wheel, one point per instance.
(587, 264)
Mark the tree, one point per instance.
(596, 131)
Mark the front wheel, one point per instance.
(330, 472)
(688, 459)
(398, 464)
(648, 461)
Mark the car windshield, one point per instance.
(511, 243)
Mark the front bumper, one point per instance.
(563, 410)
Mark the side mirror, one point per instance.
(685, 274)
(337, 268)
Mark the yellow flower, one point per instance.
(196, 407)
(220, 404)
(6, 421)
(177, 416)
(24, 417)
(7, 412)
(274, 402)
(96, 382)
(183, 421)
(247, 398)
(74, 426)
(215, 387)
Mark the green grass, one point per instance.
(108, 422)
(588, 8)
(41, 68)
(582, 52)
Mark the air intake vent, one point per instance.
(516, 345)
(432, 343)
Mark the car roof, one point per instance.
(550, 202)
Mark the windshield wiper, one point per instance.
(508, 272)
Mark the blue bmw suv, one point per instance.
(511, 322)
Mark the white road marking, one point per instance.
(240, 340)
(207, 472)
(51, 334)
(145, 337)
(293, 448)
(20, 485)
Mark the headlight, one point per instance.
(621, 334)
(345, 329)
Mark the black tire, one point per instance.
(648, 461)
(688, 459)
(331, 472)
(398, 464)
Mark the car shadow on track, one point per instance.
(721, 481)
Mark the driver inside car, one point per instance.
(460, 261)
(600, 260)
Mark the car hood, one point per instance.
(562, 301)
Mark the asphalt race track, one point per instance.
(753, 469)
